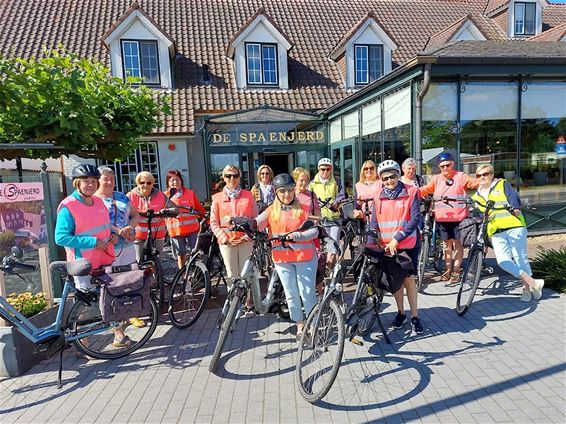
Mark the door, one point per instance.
(279, 162)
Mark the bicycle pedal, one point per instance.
(357, 342)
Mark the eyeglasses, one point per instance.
(389, 177)
(285, 190)
(446, 165)
(229, 176)
(145, 183)
(485, 174)
(324, 169)
(369, 169)
(264, 173)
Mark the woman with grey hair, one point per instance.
(124, 216)
(410, 176)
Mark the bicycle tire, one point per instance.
(100, 345)
(309, 351)
(189, 293)
(365, 324)
(470, 279)
(438, 258)
(423, 261)
(225, 327)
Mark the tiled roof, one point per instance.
(493, 5)
(508, 51)
(202, 30)
(553, 15)
(485, 25)
(554, 34)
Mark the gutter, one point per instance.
(419, 118)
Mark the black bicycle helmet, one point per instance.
(85, 170)
(283, 180)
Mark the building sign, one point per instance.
(22, 216)
(560, 147)
(281, 137)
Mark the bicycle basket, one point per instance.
(125, 295)
(348, 210)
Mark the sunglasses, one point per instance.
(389, 177)
(145, 183)
(448, 165)
(264, 173)
(229, 176)
(485, 174)
(285, 190)
(324, 169)
(369, 169)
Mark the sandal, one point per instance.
(137, 322)
(125, 342)
(446, 276)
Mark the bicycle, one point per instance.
(190, 288)
(213, 259)
(83, 327)
(274, 301)
(470, 277)
(330, 322)
(431, 245)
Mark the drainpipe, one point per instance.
(419, 118)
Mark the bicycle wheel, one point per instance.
(423, 261)
(225, 327)
(438, 255)
(85, 318)
(320, 351)
(469, 281)
(368, 311)
(189, 294)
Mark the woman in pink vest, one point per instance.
(303, 194)
(366, 187)
(296, 267)
(235, 247)
(449, 183)
(144, 197)
(396, 216)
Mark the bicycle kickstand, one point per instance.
(382, 328)
(60, 384)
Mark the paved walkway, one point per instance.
(504, 361)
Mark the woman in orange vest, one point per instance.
(396, 216)
(235, 247)
(297, 266)
(144, 197)
(183, 229)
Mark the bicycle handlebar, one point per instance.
(10, 262)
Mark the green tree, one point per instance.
(75, 104)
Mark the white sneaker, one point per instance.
(537, 289)
(526, 296)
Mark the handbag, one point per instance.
(125, 295)
(467, 230)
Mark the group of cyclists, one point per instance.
(105, 226)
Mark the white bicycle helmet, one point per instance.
(324, 162)
(388, 165)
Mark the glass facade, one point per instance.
(397, 125)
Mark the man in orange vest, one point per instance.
(453, 184)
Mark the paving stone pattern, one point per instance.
(502, 362)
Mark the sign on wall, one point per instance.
(22, 216)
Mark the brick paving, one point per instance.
(504, 361)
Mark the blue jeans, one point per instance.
(510, 248)
(298, 279)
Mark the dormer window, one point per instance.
(368, 62)
(261, 60)
(525, 18)
(141, 60)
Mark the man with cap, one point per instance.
(448, 214)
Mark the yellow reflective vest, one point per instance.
(325, 190)
(500, 220)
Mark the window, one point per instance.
(369, 63)
(141, 60)
(525, 18)
(261, 63)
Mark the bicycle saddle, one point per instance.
(74, 269)
(373, 250)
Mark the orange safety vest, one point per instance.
(185, 223)
(242, 206)
(300, 251)
(451, 211)
(90, 221)
(393, 215)
(156, 203)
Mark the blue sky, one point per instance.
(558, 1)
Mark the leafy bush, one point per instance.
(28, 304)
(550, 264)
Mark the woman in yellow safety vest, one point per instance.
(507, 230)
